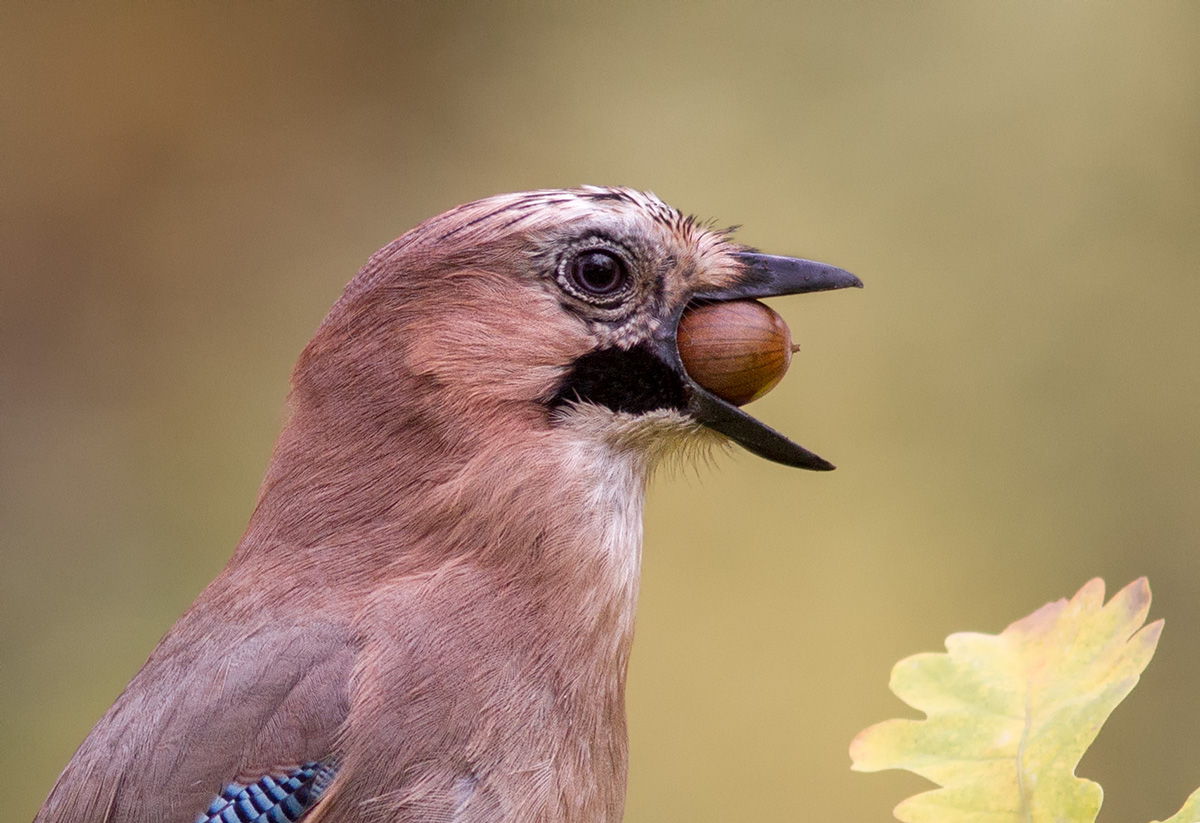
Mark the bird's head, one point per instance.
(541, 312)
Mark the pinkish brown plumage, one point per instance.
(434, 599)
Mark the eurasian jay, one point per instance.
(430, 613)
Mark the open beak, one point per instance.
(764, 275)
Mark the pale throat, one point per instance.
(610, 457)
(612, 491)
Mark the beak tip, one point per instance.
(814, 463)
(842, 279)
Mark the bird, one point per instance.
(429, 616)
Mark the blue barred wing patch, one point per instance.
(273, 798)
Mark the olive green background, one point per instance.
(1012, 400)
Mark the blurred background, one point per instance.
(1012, 400)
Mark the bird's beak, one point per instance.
(763, 275)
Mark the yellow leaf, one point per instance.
(1008, 716)
(1190, 813)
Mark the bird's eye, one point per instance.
(598, 272)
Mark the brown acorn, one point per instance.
(737, 350)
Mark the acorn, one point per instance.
(738, 350)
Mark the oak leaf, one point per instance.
(1009, 716)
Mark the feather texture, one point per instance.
(283, 797)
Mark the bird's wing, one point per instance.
(220, 709)
(272, 798)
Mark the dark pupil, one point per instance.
(599, 272)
